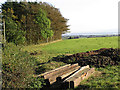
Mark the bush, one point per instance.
(17, 67)
(13, 32)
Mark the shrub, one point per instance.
(17, 67)
(13, 32)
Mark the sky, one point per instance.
(86, 16)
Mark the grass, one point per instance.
(108, 79)
(109, 76)
(46, 52)
(81, 45)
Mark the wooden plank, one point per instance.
(69, 82)
(79, 71)
(80, 74)
(53, 70)
(49, 75)
(55, 77)
(89, 73)
(68, 73)
(76, 81)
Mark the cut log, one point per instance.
(76, 81)
(67, 73)
(68, 76)
(43, 74)
(76, 78)
(79, 71)
(54, 78)
(54, 73)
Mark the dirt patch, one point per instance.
(96, 58)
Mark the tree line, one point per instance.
(32, 22)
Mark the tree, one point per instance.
(58, 22)
(37, 21)
(44, 24)
(13, 32)
(47, 34)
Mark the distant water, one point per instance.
(101, 33)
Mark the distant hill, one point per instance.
(91, 33)
(88, 35)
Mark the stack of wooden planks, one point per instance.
(68, 76)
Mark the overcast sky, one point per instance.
(88, 15)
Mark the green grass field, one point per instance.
(76, 45)
(71, 46)
(110, 78)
